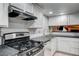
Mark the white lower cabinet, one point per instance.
(50, 47)
(53, 45)
(47, 49)
(68, 45)
(63, 44)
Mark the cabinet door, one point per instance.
(41, 53)
(73, 19)
(58, 20)
(61, 20)
(47, 49)
(53, 45)
(50, 47)
(63, 44)
(3, 15)
(69, 45)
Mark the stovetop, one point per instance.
(22, 45)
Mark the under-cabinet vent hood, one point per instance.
(15, 12)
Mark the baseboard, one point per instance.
(67, 53)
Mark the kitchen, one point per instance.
(39, 29)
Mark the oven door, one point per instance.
(34, 52)
(40, 53)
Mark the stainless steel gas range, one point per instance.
(21, 41)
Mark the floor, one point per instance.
(61, 54)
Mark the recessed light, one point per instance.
(50, 12)
(61, 13)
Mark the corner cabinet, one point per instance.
(4, 14)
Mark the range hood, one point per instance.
(15, 12)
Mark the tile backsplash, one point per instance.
(35, 30)
(17, 25)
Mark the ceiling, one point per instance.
(59, 8)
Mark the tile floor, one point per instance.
(61, 54)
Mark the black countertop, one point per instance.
(7, 51)
(65, 34)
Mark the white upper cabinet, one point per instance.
(73, 19)
(58, 20)
(24, 6)
(61, 20)
(19, 5)
(3, 15)
(50, 47)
